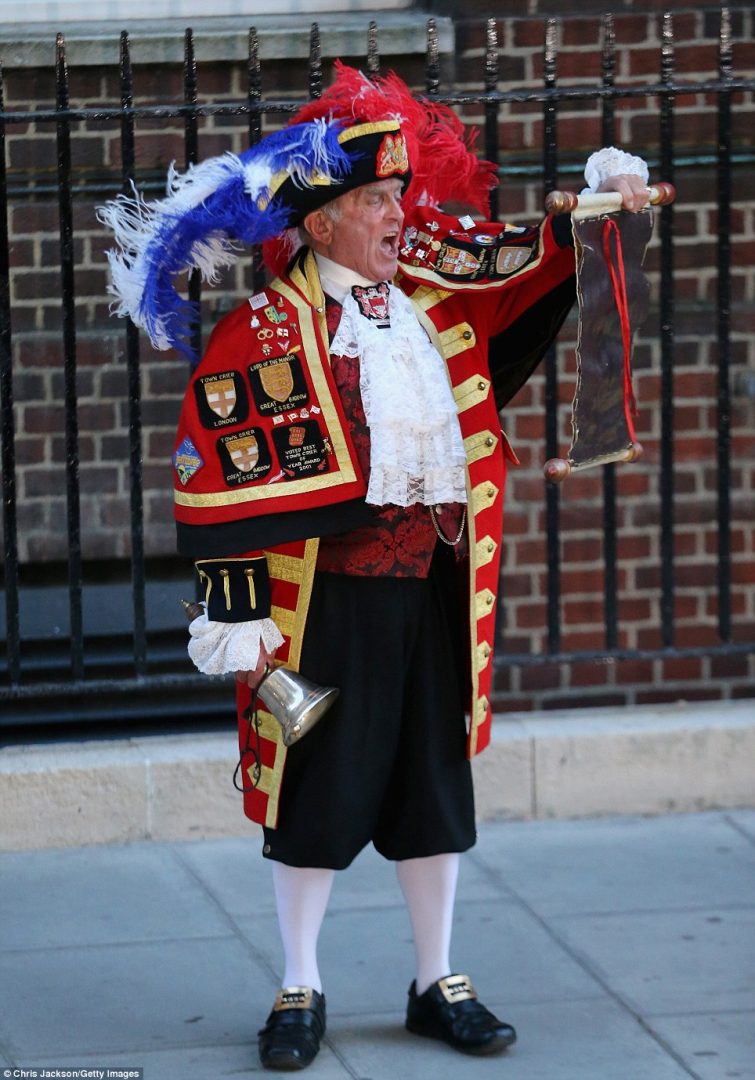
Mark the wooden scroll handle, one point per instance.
(560, 202)
(557, 469)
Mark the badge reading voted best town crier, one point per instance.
(222, 399)
(244, 456)
(278, 384)
(187, 461)
(301, 448)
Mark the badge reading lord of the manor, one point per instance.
(278, 384)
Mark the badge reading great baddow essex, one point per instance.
(245, 457)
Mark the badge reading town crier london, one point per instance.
(222, 399)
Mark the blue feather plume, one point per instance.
(208, 212)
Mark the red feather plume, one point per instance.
(441, 150)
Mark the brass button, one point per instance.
(486, 651)
(467, 335)
(490, 441)
(491, 548)
(266, 849)
(482, 385)
(490, 492)
(489, 600)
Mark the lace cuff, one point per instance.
(610, 161)
(219, 648)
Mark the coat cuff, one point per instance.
(235, 590)
(221, 648)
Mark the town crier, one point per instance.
(339, 477)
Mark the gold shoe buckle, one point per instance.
(457, 988)
(293, 997)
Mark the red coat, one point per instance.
(263, 453)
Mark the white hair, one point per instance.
(331, 209)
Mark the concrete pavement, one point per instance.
(621, 948)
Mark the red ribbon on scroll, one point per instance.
(613, 293)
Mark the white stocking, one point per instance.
(429, 888)
(301, 895)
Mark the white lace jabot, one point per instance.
(416, 450)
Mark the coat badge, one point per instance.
(277, 380)
(222, 399)
(372, 301)
(278, 383)
(244, 457)
(244, 452)
(187, 461)
(274, 315)
(301, 448)
(510, 259)
(392, 157)
(458, 262)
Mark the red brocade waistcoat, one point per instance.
(264, 464)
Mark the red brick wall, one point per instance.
(38, 374)
(523, 626)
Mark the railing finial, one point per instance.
(315, 62)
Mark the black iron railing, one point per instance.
(147, 679)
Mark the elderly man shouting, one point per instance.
(339, 477)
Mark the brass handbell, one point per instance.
(295, 702)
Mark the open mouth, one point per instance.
(389, 245)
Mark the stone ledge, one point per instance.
(644, 760)
(566, 764)
(282, 37)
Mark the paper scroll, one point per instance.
(612, 293)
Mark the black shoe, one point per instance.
(449, 1010)
(291, 1037)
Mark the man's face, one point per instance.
(366, 236)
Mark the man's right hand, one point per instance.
(253, 678)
